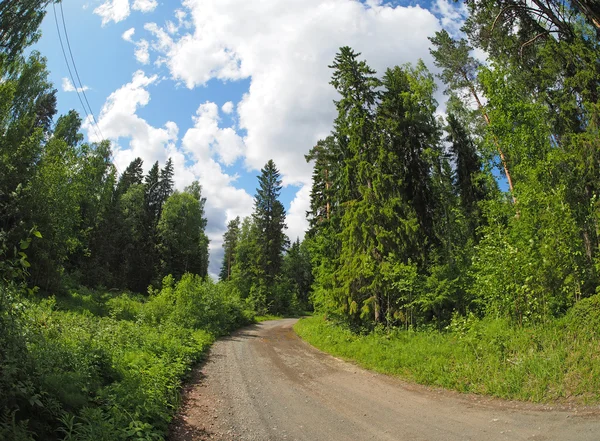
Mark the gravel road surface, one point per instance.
(265, 383)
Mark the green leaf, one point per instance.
(37, 234)
(25, 244)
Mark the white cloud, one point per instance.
(67, 86)
(285, 48)
(142, 47)
(145, 5)
(227, 107)
(452, 15)
(296, 216)
(119, 10)
(194, 159)
(118, 120)
(209, 140)
(113, 10)
(128, 35)
(142, 53)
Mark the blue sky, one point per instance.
(222, 86)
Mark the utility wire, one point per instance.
(62, 46)
(78, 86)
(76, 71)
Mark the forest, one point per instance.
(477, 224)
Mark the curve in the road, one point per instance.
(264, 383)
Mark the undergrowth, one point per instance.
(559, 361)
(105, 366)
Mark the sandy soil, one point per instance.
(265, 383)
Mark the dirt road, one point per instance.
(264, 383)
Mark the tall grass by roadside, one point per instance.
(556, 362)
(105, 366)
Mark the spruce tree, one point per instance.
(152, 183)
(165, 183)
(230, 240)
(133, 175)
(269, 217)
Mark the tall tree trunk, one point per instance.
(500, 152)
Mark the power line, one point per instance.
(79, 88)
(76, 71)
(62, 46)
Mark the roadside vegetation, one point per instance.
(463, 251)
(93, 365)
(105, 298)
(555, 363)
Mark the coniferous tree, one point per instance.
(133, 175)
(153, 198)
(468, 171)
(297, 272)
(269, 217)
(230, 241)
(165, 183)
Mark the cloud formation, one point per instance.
(67, 86)
(284, 49)
(197, 156)
(119, 10)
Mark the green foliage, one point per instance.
(230, 241)
(196, 303)
(182, 243)
(94, 365)
(542, 364)
(257, 251)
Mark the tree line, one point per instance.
(408, 223)
(491, 210)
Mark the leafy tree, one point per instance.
(183, 245)
(297, 271)
(19, 24)
(25, 110)
(459, 73)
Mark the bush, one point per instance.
(104, 366)
(196, 303)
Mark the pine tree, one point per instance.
(230, 241)
(459, 73)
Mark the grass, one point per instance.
(264, 318)
(267, 317)
(557, 362)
